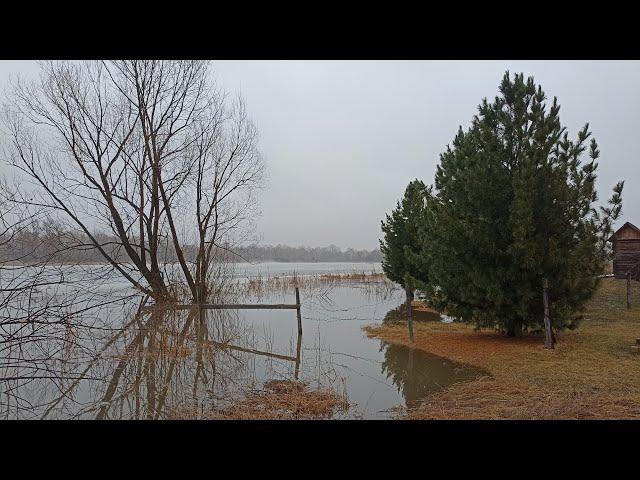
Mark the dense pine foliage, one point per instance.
(402, 240)
(513, 204)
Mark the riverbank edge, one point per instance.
(592, 374)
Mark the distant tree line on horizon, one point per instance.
(285, 253)
(49, 241)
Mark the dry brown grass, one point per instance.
(591, 373)
(279, 400)
(419, 306)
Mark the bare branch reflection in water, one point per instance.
(208, 363)
(67, 331)
(170, 359)
(52, 318)
(154, 363)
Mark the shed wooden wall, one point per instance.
(626, 247)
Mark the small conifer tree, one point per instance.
(401, 244)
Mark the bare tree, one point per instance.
(228, 170)
(146, 150)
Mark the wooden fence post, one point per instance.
(298, 311)
(549, 338)
(629, 289)
(298, 355)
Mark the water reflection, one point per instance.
(417, 373)
(203, 359)
(131, 364)
(156, 363)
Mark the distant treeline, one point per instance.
(284, 253)
(48, 242)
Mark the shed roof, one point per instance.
(626, 225)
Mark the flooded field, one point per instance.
(154, 364)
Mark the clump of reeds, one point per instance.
(260, 285)
(355, 276)
(278, 400)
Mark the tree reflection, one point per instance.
(416, 373)
(205, 364)
(158, 361)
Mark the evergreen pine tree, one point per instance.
(514, 207)
(402, 242)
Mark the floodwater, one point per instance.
(148, 365)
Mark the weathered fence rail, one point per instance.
(231, 306)
(234, 306)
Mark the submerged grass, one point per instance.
(591, 374)
(278, 400)
(315, 284)
(259, 285)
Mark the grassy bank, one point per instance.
(591, 373)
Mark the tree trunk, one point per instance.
(514, 328)
(409, 292)
(549, 341)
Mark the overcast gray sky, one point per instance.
(342, 139)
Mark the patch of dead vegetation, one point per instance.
(420, 306)
(278, 400)
(591, 373)
(260, 285)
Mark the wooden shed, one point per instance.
(626, 250)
